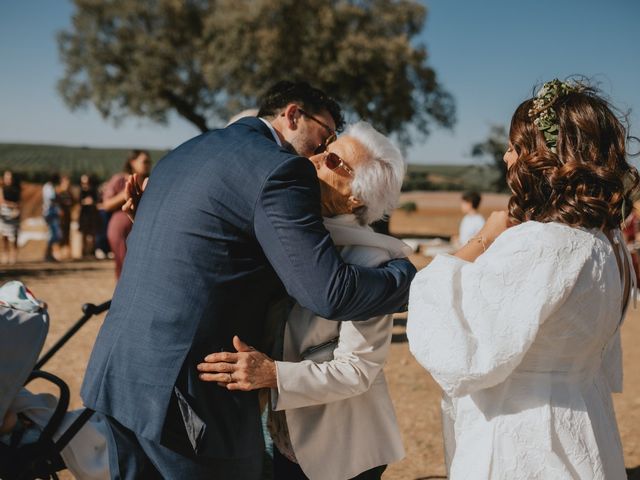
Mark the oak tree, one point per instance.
(208, 59)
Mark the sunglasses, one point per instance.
(333, 162)
(332, 134)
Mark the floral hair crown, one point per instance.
(542, 112)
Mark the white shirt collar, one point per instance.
(273, 131)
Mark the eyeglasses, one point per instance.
(333, 162)
(330, 139)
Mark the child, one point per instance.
(472, 221)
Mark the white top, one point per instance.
(48, 197)
(339, 413)
(470, 225)
(525, 344)
(273, 131)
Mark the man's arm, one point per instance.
(289, 227)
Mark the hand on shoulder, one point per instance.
(496, 224)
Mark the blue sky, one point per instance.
(489, 54)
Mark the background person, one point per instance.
(9, 216)
(631, 232)
(65, 202)
(89, 220)
(51, 214)
(113, 198)
(103, 250)
(472, 221)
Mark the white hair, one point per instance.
(378, 181)
(249, 112)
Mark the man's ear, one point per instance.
(291, 113)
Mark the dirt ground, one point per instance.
(66, 286)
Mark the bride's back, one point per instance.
(574, 338)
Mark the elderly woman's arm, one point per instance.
(358, 359)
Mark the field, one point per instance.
(35, 162)
(437, 213)
(67, 285)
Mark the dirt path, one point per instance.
(66, 286)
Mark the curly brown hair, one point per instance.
(586, 182)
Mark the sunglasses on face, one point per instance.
(334, 162)
(332, 134)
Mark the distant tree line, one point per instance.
(421, 181)
(493, 149)
(36, 163)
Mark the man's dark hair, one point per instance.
(310, 99)
(473, 198)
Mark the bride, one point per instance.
(524, 338)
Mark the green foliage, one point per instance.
(494, 147)
(409, 207)
(38, 162)
(543, 113)
(450, 177)
(207, 60)
(416, 180)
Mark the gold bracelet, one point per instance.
(480, 240)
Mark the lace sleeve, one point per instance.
(470, 324)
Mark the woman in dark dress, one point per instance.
(65, 203)
(88, 221)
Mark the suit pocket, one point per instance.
(193, 424)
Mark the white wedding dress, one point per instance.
(525, 343)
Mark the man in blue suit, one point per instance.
(229, 221)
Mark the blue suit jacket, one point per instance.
(226, 220)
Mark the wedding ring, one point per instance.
(230, 378)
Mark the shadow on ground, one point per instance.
(401, 336)
(42, 270)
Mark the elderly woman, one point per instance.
(331, 415)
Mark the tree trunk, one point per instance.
(186, 110)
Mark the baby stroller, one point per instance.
(38, 437)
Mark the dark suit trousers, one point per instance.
(132, 457)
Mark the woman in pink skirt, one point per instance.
(138, 162)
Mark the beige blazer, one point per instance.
(339, 414)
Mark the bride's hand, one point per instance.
(497, 223)
(245, 370)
